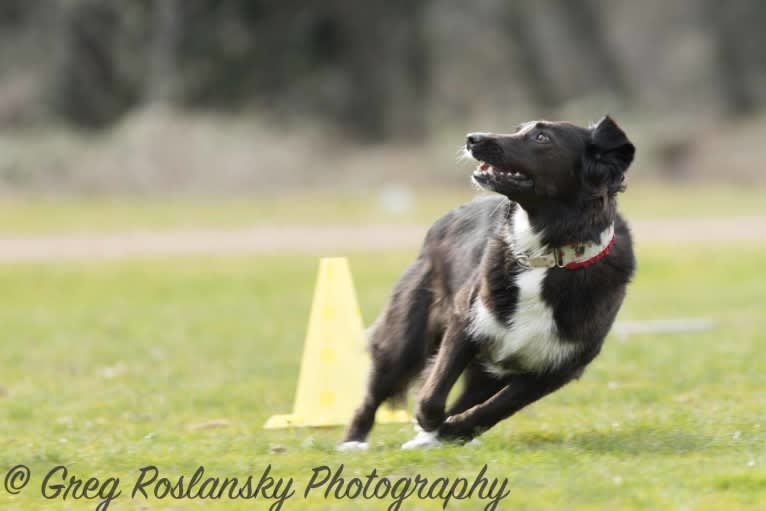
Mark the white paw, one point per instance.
(352, 446)
(473, 443)
(422, 440)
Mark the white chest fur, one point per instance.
(530, 337)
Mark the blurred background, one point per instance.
(209, 97)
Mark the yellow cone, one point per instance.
(335, 364)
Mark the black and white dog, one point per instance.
(517, 291)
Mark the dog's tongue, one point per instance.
(484, 166)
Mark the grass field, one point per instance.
(109, 367)
(54, 215)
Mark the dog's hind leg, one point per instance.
(385, 380)
(399, 345)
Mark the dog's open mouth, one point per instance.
(487, 174)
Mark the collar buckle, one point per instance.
(558, 258)
(530, 262)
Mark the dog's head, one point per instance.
(544, 162)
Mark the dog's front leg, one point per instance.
(455, 352)
(521, 391)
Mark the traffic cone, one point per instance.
(332, 380)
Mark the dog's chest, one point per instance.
(529, 340)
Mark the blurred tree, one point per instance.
(525, 42)
(16, 12)
(590, 39)
(99, 71)
(383, 64)
(366, 68)
(362, 64)
(736, 57)
(165, 26)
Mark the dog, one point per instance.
(515, 291)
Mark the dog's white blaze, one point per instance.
(531, 335)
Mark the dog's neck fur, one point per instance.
(567, 224)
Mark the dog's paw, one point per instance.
(429, 416)
(457, 430)
(423, 440)
(352, 446)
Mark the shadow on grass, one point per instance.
(631, 442)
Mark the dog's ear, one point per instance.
(609, 154)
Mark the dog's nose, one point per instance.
(473, 139)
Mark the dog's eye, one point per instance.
(542, 138)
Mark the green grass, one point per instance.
(105, 366)
(50, 215)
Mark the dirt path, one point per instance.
(328, 240)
